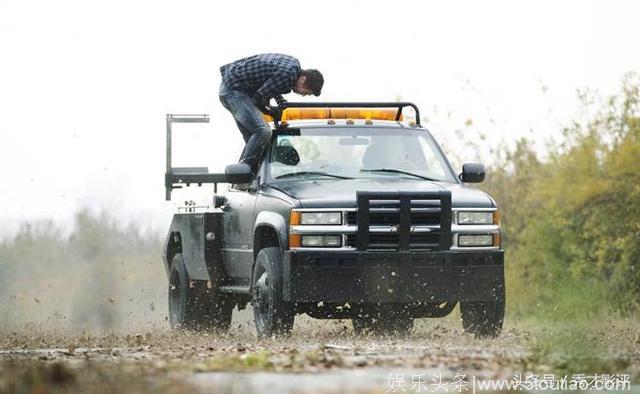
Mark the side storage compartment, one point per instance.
(199, 238)
(186, 236)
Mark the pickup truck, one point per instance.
(353, 213)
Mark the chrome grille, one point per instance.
(391, 217)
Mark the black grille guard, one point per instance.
(364, 199)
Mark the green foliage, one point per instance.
(571, 222)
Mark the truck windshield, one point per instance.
(358, 153)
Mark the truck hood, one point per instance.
(341, 193)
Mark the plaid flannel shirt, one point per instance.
(270, 74)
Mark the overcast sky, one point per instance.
(85, 85)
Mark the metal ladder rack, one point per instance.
(176, 176)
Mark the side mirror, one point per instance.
(472, 173)
(238, 173)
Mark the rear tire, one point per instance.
(272, 315)
(192, 305)
(483, 318)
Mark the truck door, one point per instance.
(238, 233)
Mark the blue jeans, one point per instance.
(255, 130)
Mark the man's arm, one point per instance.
(280, 100)
(276, 85)
(262, 103)
(273, 87)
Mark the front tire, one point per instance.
(192, 305)
(272, 315)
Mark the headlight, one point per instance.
(326, 241)
(475, 240)
(470, 217)
(321, 218)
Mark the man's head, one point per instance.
(309, 82)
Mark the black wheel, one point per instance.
(194, 306)
(271, 314)
(483, 318)
(382, 324)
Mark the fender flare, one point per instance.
(276, 222)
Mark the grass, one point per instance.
(575, 330)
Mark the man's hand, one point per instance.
(261, 102)
(274, 112)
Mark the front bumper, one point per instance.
(392, 277)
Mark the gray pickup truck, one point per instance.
(353, 214)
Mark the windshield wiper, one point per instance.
(397, 172)
(291, 174)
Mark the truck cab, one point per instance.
(353, 214)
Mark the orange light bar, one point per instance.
(337, 113)
(364, 113)
(306, 113)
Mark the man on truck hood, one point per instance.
(250, 83)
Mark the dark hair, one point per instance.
(314, 80)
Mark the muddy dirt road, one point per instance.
(318, 357)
